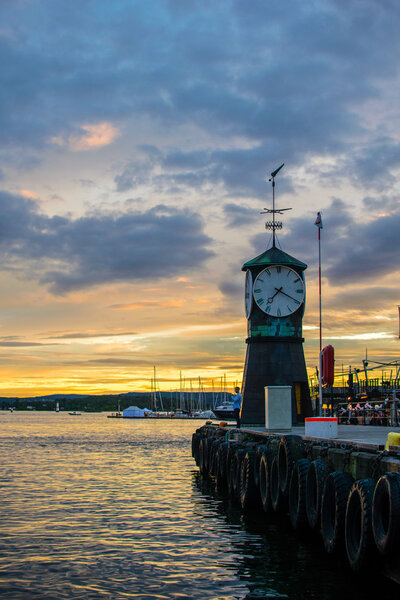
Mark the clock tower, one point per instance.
(274, 300)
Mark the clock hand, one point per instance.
(269, 300)
(285, 294)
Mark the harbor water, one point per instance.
(95, 508)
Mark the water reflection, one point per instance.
(97, 508)
(272, 561)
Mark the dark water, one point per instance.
(98, 508)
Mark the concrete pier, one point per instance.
(346, 488)
(368, 436)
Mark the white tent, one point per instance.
(134, 412)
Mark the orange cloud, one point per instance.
(149, 304)
(94, 135)
(29, 194)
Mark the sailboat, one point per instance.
(57, 407)
(118, 414)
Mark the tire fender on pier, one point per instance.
(235, 471)
(212, 457)
(201, 455)
(386, 513)
(297, 494)
(220, 467)
(248, 491)
(196, 437)
(229, 460)
(264, 481)
(259, 452)
(333, 509)
(276, 495)
(358, 524)
(316, 476)
(290, 449)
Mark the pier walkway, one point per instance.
(366, 436)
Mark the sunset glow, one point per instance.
(136, 154)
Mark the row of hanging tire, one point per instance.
(358, 517)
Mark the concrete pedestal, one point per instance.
(278, 407)
(322, 427)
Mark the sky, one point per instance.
(136, 143)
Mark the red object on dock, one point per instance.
(327, 365)
(314, 419)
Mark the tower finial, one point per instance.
(274, 225)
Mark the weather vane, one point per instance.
(274, 225)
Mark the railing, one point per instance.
(384, 387)
(369, 413)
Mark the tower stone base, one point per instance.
(274, 361)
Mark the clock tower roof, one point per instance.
(273, 256)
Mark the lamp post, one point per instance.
(318, 223)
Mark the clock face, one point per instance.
(278, 291)
(248, 294)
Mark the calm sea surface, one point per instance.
(98, 508)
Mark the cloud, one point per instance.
(372, 165)
(148, 304)
(277, 83)
(356, 248)
(365, 299)
(239, 215)
(89, 137)
(376, 335)
(21, 344)
(87, 183)
(138, 172)
(231, 289)
(86, 335)
(70, 254)
(241, 172)
(29, 194)
(366, 251)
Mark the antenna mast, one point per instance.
(274, 225)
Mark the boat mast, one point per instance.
(154, 393)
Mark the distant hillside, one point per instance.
(111, 402)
